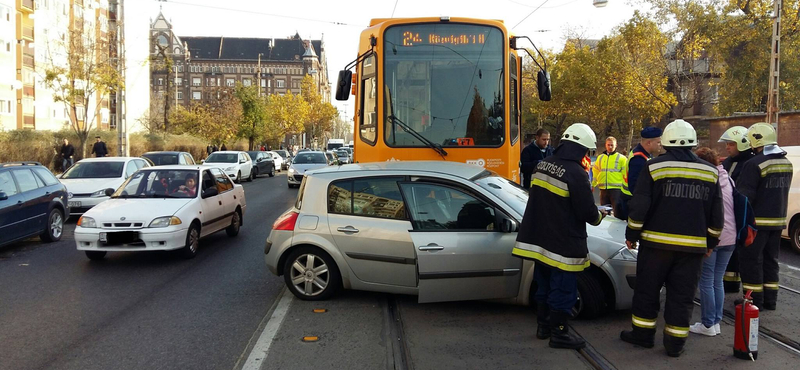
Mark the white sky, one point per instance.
(260, 18)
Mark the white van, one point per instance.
(792, 230)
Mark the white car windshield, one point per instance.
(223, 158)
(94, 170)
(310, 157)
(159, 184)
(508, 191)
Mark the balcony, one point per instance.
(28, 60)
(27, 5)
(27, 33)
(29, 91)
(28, 121)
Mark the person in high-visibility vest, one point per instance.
(607, 173)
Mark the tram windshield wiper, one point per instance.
(438, 148)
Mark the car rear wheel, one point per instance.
(236, 222)
(192, 242)
(272, 172)
(311, 274)
(239, 177)
(250, 177)
(55, 227)
(255, 172)
(794, 235)
(96, 255)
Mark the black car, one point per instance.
(32, 202)
(169, 158)
(262, 163)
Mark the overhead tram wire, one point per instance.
(395, 7)
(529, 14)
(263, 13)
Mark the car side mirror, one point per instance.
(343, 85)
(3, 196)
(210, 192)
(508, 226)
(109, 191)
(202, 161)
(242, 161)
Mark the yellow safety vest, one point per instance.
(609, 170)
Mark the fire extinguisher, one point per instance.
(745, 342)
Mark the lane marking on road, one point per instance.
(260, 351)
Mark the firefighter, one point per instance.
(607, 173)
(650, 144)
(556, 238)
(765, 180)
(676, 214)
(738, 148)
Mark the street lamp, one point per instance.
(600, 3)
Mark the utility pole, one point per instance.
(774, 67)
(118, 25)
(259, 73)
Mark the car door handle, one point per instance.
(220, 202)
(431, 247)
(347, 229)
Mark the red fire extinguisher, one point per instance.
(745, 342)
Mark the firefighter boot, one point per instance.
(559, 332)
(673, 345)
(639, 336)
(542, 320)
(770, 297)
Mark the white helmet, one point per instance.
(761, 134)
(582, 134)
(738, 135)
(679, 133)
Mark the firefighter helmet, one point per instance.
(679, 133)
(582, 134)
(761, 134)
(738, 135)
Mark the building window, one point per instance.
(246, 82)
(230, 82)
(179, 81)
(197, 95)
(714, 94)
(179, 95)
(180, 68)
(269, 83)
(80, 112)
(263, 83)
(211, 82)
(104, 115)
(160, 81)
(5, 106)
(196, 81)
(280, 84)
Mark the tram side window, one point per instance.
(512, 98)
(369, 102)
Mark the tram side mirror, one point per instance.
(343, 85)
(543, 84)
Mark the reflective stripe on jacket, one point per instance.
(765, 180)
(608, 171)
(633, 168)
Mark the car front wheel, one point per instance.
(236, 222)
(272, 172)
(591, 301)
(311, 274)
(96, 255)
(794, 235)
(55, 227)
(192, 242)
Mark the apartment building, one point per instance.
(200, 65)
(8, 65)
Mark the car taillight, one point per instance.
(286, 222)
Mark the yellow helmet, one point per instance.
(582, 134)
(761, 134)
(738, 135)
(679, 133)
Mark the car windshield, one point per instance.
(253, 155)
(159, 184)
(223, 158)
(508, 191)
(281, 153)
(94, 170)
(160, 159)
(342, 153)
(308, 158)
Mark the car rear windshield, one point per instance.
(162, 158)
(94, 170)
(281, 153)
(154, 183)
(343, 153)
(223, 158)
(306, 157)
(253, 155)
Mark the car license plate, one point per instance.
(73, 204)
(119, 238)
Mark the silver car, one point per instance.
(303, 162)
(440, 230)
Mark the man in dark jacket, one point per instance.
(765, 180)
(676, 213)
(738, 148)
(67, 153)
(643, 152)
(536, 151)
(556, 239)
(99, 148)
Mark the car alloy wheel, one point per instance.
(310, 275)
(55, 227)
(239, 177)
(192, 242)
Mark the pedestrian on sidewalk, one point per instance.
(676, 213)
(99, 148)
(765, 181)
(553, 233)
(67, 153)
(712, 293)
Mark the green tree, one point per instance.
(216, 119)
(321, 115)
(253, 125)
(286, 114)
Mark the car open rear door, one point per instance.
(461, 252)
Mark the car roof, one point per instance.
(165, 152)
(181, 167)
(462, 170)
(108, 159)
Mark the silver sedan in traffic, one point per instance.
(442, 231)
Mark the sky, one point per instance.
(339, 24)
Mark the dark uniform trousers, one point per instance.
(731, 279)
(759, 267)
(680, 272)
(556, 287)
(611, 197)
(526, 180)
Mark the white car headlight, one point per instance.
(231, 168)
(165, 221)
(87, 222)
(99, 193)
(291, 170)
(625, 254)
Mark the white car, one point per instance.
(792, 230)
(88, 180)
(277, 160)
(163, 208)
(302, 162)
(236, 164)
